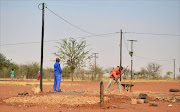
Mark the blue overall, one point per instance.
(57, 76)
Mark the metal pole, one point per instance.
(131, 58)
(95, 64)
(131, 66)
(131, 54)
(174, 70)
(42, 42)
(121, 50)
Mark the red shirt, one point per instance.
(115, 73)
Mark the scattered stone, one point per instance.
(140, 101)
(158, 98)
(113, 106)
(20, 93)
(36, 90)
(25, 93)
(133, 101)
(170, 105)
(88, 102)
(142, 96)
(153, 104)
(146, 101)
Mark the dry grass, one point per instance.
(33, 83)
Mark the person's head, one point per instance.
(120, 68)
(57, 60)
(12, 69)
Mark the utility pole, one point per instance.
(174, 70)
(42, 43)
(95, 64)
(121, 50)
(131, 54)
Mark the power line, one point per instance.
(100, 35)
(153, 34)
(20, 43)
(69, 22)
(151, 58)
(166, 64)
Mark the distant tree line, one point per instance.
(30, 70)
(151, 71)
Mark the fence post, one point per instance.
(101, 94)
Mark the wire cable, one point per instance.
(153, 34)
(60, 39)
(68, 21)
(166, 64)
(151, 58)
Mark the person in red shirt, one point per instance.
(38, 75)
(115, 74)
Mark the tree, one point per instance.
(3, 62)
(127, 74)
(168, 75)
(99, 72)
(144, 73)
(151, 71)
(31, 70)
(66, 71)
(73, 53)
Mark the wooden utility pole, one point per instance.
(101, 94)
(174, 70)
(42, 44)
(131, 54)
(120, 50)
(95, 64)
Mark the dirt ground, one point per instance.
(85, 97)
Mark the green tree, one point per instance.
(127, 74)
(73, 53)
(3, 62)
(168, 75)
(48, 73)
(99, 72)
(151, 71)
(66, 71)
(31, 70)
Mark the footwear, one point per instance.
(59, 90)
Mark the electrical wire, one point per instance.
(60, 39)
(69, 22)
(151, 58)
(166, 64)
(153, 34)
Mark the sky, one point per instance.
(21, 22)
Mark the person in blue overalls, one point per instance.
(57, 75)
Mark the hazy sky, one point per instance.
(21, 22)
